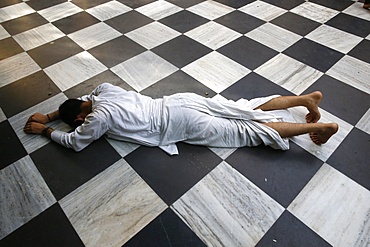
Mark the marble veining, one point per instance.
(94, 35)
(289, 73)
(364, 123)
(60, 11)
(112, 207)
(226, 209)
(159, 9)
(144, 70)
(216, 71)
(108, 10)
(3, 33)
(356, 10)
(38, 36)
(263, 10)
(315, 12)
(210, 9)
(213, 35)
(223, 153)
(330, 191)
(323, 152)
(74, 70)
(23, 195)
(334, 38)
(152, 35)
(2, 115)
(34, 142)
(123, 148)
(16, 67)
(274, 36)
(15, 11)
(352, 71)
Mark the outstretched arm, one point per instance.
(36, 123)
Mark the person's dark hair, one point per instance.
(69, 110)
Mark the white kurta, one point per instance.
(129, 116)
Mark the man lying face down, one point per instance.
(187, 117)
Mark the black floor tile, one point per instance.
(6, 3)
(24, 23)
(50, 228)
(253, 86)
(183, 21)
(313, 54)
(27, 92)
(185, 4)
(350, 24)
(296, 23)
(178, 82)
(240, 22)
(83, 4)
(75, 22)
(334, 4)
(362, 51)
(341, 99)
(136, 3)
(128, 21)
(285, 4)
(9, 47)
(11, 148)
(39, 5)
(281, 174)
(181, 51)
(54, 52)
(58, 165)
(248, 52)
(166, 230)
(352, 157)
(171, 176)
(235, 3)
(116, 51)
(289, 231)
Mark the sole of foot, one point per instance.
(323, 136)
(313, 107)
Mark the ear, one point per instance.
(78, 122)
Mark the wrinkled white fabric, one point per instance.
(129, 116)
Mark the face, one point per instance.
(80, 119)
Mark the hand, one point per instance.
(34, 128)
(38, 118)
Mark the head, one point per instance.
(70, 112)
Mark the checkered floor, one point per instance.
(121, 194)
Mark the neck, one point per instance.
(86, 107)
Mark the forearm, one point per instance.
(53, 116)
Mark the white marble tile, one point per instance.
(74, 70)
(2, 115)
(23, 195)
(112, 207)
(3, 33)
(315, 12)
(144, 70)
(364, 123)
(16, 67)
(216, 71)
(289, 73)
(263, 10)
(226, 209)
(274, 37)
(335, 207)
(334, 38)
(357, 10)
(60, 11)
(223, 153)
(213, 35)
(108, 10)
(158, 9)
(352, 71)
(38, 36)
(152, 35)
(15, 11)
(323, 152)
(123, 148)
(34, 142)
(94, 35)
(210, 9)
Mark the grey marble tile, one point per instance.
(330, 191)
(226, 209)
(112, 207)
(23, 195)
(16, 67)
(33, 142)
(15, 11)
(352, 71)
(315, 12)
(144, 70)
(289, 73)
(356, 10)
(108, 10)
(364, 123)
(263, 10)
(60, 11)
(158, 9)
(210, 9)
(3, 33)
(216, 71)
(123, 148)
(223, 153)
(2, 115)
(74, 70)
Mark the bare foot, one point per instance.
(313, 107)
(366, 6)
(323, 136)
